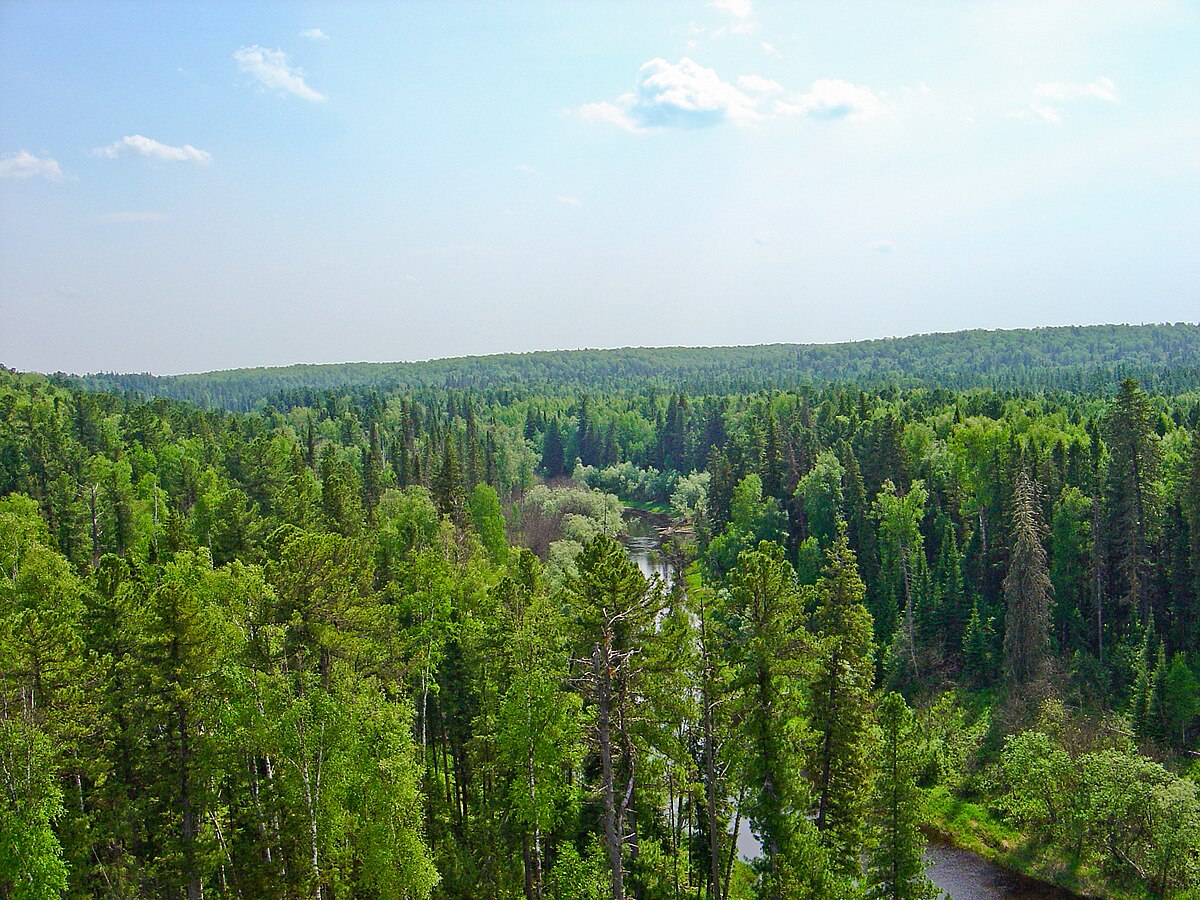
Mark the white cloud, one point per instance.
(140, 145)
(314, 34)
(274, 72)
(528, 169)
(756, 84)
(831, 99)
(683, 95)
(569, 201)
(771, 50)
(131, 216)
(1041, 113)
(742, 12)
(1040, 110)
(24, 164)
(1100, 89)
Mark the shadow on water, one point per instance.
(965, 876)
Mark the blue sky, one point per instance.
(192, 186)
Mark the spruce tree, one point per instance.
(1131, 496)
(839, 704)
(1027, 592)
(767, 650)
(896, 865)
(447, 485)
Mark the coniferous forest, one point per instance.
(380, 637)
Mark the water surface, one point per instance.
(965, 876)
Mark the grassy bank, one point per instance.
(975, 829)
(662, 509)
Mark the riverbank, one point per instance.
(972, 828)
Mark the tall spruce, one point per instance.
(839, 709)
(1027, 592)
(767, 651)
(1132, 495)
(896, 865)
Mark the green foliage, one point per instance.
(840, 709)
(31, 864)
(1027, 590)
(488, 521)
(200, 611)
(896, 864)
(821, 492)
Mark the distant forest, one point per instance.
(370, 631)
(1162, 357)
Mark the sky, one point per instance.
(195, 186)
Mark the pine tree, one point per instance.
(1131, 497)
(839, 704)
(447, 485)
(978, 639)
(772, 461)
(552, 464)
(766, 653)
(901, 564)
(372, 473)
(896, 865)
(615, 612)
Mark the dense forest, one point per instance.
(1093, 357)
(381, 638)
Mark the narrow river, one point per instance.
(960, 874)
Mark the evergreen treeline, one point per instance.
(1087, 358)
(383, 643)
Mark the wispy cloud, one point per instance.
(1100, 89)
(568, 201)
(771, 50)
(24, 164)
(121, 218)
(675, 95)
(830, 99)
(275, 72)
(140, 145)
(1042, 109)
(314, 34)
(742, 12)
(756, 84)
(884, 246)
(528, 169)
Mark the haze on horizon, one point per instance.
(220, 185)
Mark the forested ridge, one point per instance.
(380, 638)
(1076, 357)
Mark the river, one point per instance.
(961, 874)
(643, 543)
(965, 876)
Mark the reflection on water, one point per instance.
(643, 543)
(965, 876)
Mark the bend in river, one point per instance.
(960, 873)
